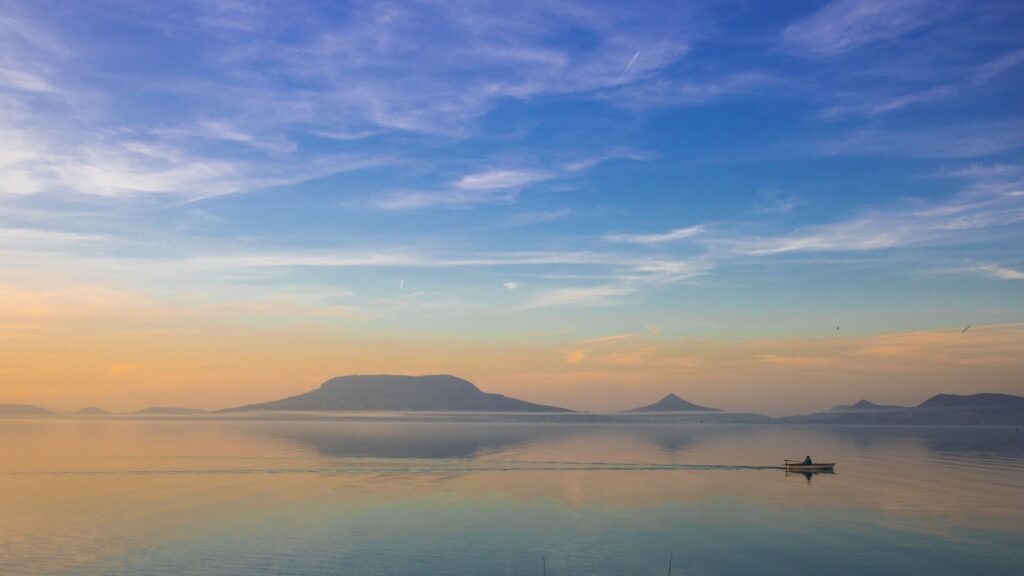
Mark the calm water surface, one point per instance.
(134, 496)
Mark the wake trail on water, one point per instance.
(441, 468)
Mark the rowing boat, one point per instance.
(799, 466)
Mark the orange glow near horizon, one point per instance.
(79, 348)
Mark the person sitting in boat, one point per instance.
(807, 461)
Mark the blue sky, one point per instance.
(523, 173)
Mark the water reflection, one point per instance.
(438, 439)
(975, 441)
(394, 497)
(808, 475)
(421, 440)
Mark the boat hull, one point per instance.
(798, 467)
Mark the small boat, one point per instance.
(799, 466)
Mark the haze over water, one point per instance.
(232, 207)
(397, 496)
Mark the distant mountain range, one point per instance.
(444, 393)
(672, 403)
(865, 405)
(940, 410)
(22, 410)
(170, 410)
(385, 392)
(983, 400)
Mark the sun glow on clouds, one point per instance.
(212, 357)
(535, 168)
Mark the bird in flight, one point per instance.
(966, 329)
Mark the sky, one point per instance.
(759, 206)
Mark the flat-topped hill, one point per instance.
(386, 392)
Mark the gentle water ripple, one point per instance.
(133, 497)
(410, 469)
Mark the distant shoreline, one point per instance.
(574, 418)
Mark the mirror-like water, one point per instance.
(203, 496)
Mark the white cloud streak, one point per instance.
(580, 296)
(528, 218)
(985, 209)
(346, 77)
(949, 141)
(670, 236)
(419, 199)
(870, 105)
(494, 186)
(500, 179)
(844, 25)
(1000, 272)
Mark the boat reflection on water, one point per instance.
(808, 473)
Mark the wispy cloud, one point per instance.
(24, 80)
(499, 179)
(226, 131)
(343, 79)
(843, 25)
(949, 141)
(693, 91)
(631, 278)
(496, 186)
(65, 150)
(982, 171)
(419, 199)
(527, 218)
(670, 236)
(997, 271)
(592, 161)
(473, 58)
(420, 259)
(580, 296)
(608, 339)
(23, 237)
(969, 216)
(622, 274)
(870, 104)
(106, 166)
(772, 201)
(231, 15)
(587, 348)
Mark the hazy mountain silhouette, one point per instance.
(865, 405)
(673, 403)
(170, 410)
(92, 411)
(939, 410)
(23, 410)
(399, 393)
(984, 400)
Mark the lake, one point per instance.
(391, 496)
